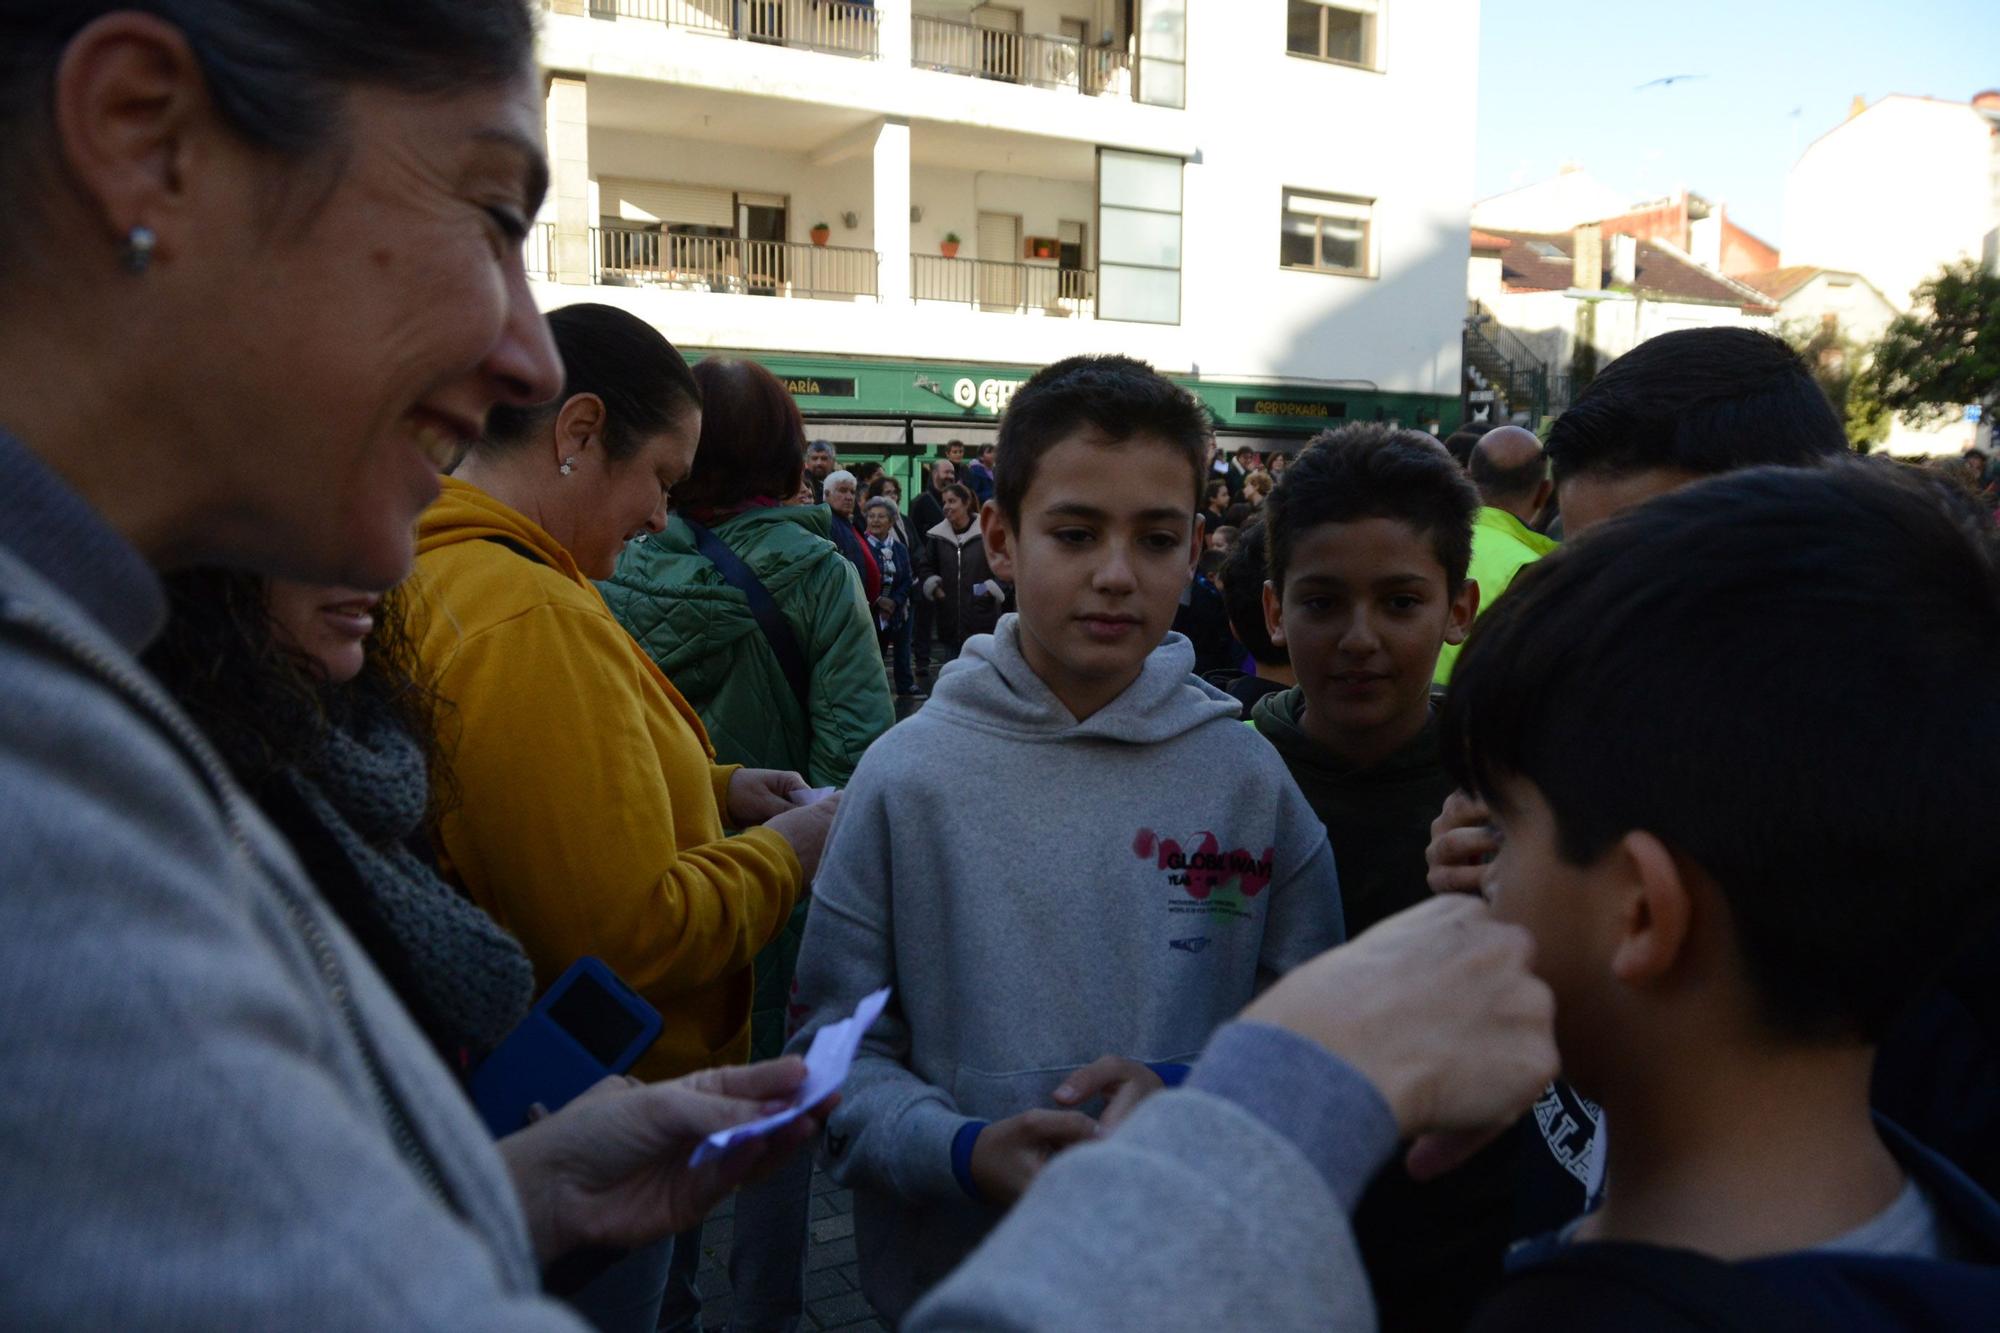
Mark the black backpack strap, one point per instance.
(521, 549)
(777, 630)
(1637, 1289)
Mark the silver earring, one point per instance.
(139, 243)
(567, 464)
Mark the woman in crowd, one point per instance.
(843, 502)
(312, 696)
(592, 809)
(953, 574)
(892, 608)
(887, 487)
(698, 624)
(218, 1114)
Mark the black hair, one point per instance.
(277, 70)
(1698, 400)
(644, 383)
(1782, 675)
(1117, 396)
(1371, 470)
(1243, 597)
(1210, 563)
(1508, 483)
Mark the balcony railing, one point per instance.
(1036, 59)
(631, 258)
(840, 27)
(991, 284)
(538, 253)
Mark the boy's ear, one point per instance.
(1197, 542)
(1464, 610)
(1652, 928)
(999, 540)
(1274, 615)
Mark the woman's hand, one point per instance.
(611, 1168)
(756, 794)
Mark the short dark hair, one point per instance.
(1724, 667)
(1243, 597)
(1372, 470)
(963, 492)
(278, 71)
(1699, 400)
(753, 441)
(644, 383)
(821, 447)
(1118, 396)
(1460, 445)
(1508, 483)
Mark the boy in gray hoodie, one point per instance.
(1138, 866)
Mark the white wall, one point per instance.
(1547, 322)
(1560, 203)
(1893, 193)
(817, 193)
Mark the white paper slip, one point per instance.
(827, 1062)
(811, 795)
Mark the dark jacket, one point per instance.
(1650, 1289)
(900, 581)
(849, 539)
(1378, 819)
(926, 512)
(1204, 619)
(956, 562)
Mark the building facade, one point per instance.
(903, 208)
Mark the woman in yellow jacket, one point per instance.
(589, 814)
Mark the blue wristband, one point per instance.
(961, 1156)
(1171, 1075)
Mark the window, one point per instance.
(1138, 237)
(1343, 32)
(1328, 233)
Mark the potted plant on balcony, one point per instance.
(948, 247)
(821, 233)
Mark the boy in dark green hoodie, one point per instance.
(1368, 534)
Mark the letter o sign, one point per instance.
(965, 393)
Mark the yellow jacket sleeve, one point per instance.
(587, 817)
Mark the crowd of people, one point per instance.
(1295, 869)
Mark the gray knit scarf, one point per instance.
(475, 979)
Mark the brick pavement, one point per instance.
(833, 1289)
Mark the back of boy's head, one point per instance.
(1243, 598)
(1116, 396)
(1702, 401)
(1369, 470)
(1784, 676)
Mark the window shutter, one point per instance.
(654, 201)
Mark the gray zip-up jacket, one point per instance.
(1040, 892)
(216, 1114)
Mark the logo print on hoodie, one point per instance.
(1212, 882)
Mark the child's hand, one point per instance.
(1010, 1153)
(1462, 842)
(1121, 1082)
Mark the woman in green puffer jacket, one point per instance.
(699, 628)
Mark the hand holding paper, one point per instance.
(827, 1062)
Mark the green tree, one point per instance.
(1839, 366)
(1945, 353)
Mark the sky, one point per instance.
(1559, 82)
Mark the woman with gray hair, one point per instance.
(261, 276)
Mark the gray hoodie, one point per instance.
(1040, 891)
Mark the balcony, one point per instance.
(1037, 60)
(1021, 289)
(731, 264)
(838, 27)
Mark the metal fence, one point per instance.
(1037, 59)
(990, 284)
(538, 252)
(635, 258)
(840, 27)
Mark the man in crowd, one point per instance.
(1512, 476)
(821, 463)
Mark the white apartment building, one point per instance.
(904, 207)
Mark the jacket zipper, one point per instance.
(123, 681)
